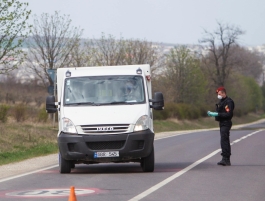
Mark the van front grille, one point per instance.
(105, 129)
(106, 145)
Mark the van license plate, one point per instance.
(106, 154)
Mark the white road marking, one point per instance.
(50, 167)
(28, 173)
(185, 133)
(237, 141)
(249, 134)
(181, 172)
(175, 135)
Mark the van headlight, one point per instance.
(68, 126)
(142, 123)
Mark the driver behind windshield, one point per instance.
(130, 91)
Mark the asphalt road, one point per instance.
(185, 170)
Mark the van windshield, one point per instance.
(104, 90)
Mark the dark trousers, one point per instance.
(225, 127)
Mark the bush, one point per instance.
(3, 113)
(160, 115)
(20, 112)
(168, 112)
(42, 115)
(203, 110)
(180, 111)
(246, 94)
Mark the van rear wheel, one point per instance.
(64, 165)
(148, 163)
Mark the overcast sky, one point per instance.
(166, 21)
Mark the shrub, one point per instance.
(193, 112)
(3, 113)
(160, 115)
(171, 109)
(183, 111)
(20, 112)
(180, 111)
(246, 94)
(42, 115)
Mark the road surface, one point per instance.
(185, 169)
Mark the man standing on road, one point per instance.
(224, 114)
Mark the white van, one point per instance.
(105, 115)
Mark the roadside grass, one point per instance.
(202, 123)
(20, 141)
(19, 155)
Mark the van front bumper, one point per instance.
(82, 148)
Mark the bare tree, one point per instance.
(247, 63)
(107, 51)
(83, 54)
(50, 46)
(143, 52)
(220, 43)
(13, 30)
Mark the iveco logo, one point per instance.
(104, 128)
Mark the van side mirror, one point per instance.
(50, 104)
(158, 102)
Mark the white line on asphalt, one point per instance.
(175, 135)
(249, 135)
(185, 133)
(181, 172)
(237, 141)
(50, 167)
(28, 173)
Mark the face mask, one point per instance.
(219, 97)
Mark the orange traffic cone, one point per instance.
(72, 196)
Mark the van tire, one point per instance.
(148, 163)
(64, 165)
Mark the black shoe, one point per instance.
(224, 162)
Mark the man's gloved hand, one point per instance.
(212, 114)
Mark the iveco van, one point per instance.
(105, 115)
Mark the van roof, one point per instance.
(105, 70)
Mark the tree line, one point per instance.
(187, 78)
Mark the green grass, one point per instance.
(22, 154)
(20, 141)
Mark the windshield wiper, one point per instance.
(98, 104)
(82, 103)
(119, 102)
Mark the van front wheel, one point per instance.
(148, 163)
(64, 165)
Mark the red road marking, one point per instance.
(49, 193)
